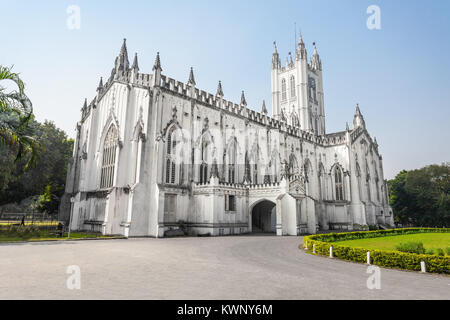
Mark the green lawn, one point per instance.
(29, 222)
(429, 240)
(46, 236)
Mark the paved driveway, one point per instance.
(247, 267)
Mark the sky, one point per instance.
(399, 74)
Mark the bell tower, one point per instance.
(297, 90)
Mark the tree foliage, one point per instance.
(16, 112)
(422, 197)
(46, 178)
(33, 156)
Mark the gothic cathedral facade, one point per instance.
(155, 157)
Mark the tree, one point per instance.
(422, 197)
(16, 112)
(47, 177)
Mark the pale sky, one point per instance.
(399, 75)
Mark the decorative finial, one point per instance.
(157, 62)
(191, 80)
(135, 65)
(264, 109)
(100, 84)
(243, 101)
(219, 90)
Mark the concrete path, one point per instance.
(247, 267)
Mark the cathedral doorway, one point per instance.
(264, 217)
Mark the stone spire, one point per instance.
(85, 103)
(135, 65)
(264, 109)
(316, 63)
(243, 101)
(191, 80)
(301, 49)
(100, 84)
(347, 128)
(219, 90)
(156, 78)
(122, 62)
(157, 65)
(276, 63)
(358, 120)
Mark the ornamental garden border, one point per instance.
(322, 244)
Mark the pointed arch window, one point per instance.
(232, 163)
(377, 184)
(322, 190)
(255, 173)
(109, 158)
(204, 164)
(292, 86)
(171, 146)
(283, 90)
(339, 185)
(306, 169)
(293, 166)
(368, 182)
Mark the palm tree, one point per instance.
(16, 112)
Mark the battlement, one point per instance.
(214, 101)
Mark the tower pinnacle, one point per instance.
(219, 90)
(100, 84)
(316, 63)
(264, 109)
(243, 101)
(358, 120)
(157, 65)
(191, 80)
(276, 63)
(135, 65)
(122, 62)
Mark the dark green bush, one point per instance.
(429, 251)
(447, 251)
(411, 247)
(440, 252)
(382, 258)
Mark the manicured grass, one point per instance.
(46, 236)
(429, 240)
(28, 223)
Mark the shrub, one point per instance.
(411, 247)
(447, 251)
(440, 252)
(382, 258)
(429, 251)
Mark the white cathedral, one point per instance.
(157, 157)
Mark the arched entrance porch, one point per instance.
(263, 217)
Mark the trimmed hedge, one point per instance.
(382, 258)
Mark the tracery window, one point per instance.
(292, 86)
(339, 185)
(204, 164)
(232, 163)
(312, 89)
(109, 158)
(170, 157)
(283, 90)
(255, 174)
